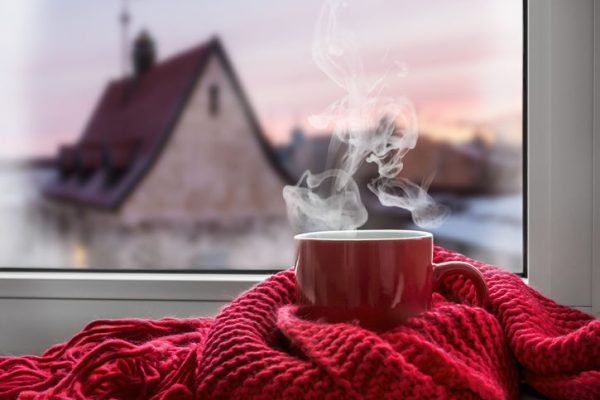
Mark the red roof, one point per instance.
(130, 126)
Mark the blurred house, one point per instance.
(176, 141)
(452, 168)
(475, 167)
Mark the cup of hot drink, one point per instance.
(376, 277)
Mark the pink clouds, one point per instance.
(464, 59)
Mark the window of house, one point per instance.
(213, 98)
(210, 197)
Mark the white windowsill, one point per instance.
(125, 286)
(151, 286)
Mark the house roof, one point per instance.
(131, 125)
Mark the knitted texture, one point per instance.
(257, 347)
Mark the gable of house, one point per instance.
(213, 167)
(131, 127)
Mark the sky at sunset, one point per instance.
(462, 61)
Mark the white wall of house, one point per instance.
(212, 167)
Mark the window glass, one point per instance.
(111, 161)
(214, 100)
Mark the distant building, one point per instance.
(452, 168)
(475, 167)
(176, 141)
(307, 153)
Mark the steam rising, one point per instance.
(375, 128)
(341, 208)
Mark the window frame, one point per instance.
(40, 308)
(554, 29)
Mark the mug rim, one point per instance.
(357, 235)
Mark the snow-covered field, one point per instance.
(488, 229)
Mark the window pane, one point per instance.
(161, 137)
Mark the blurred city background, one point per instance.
(158, 135)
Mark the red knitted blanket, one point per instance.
(258, 348)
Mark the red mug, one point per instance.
(376, 277)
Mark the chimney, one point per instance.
(144, 53)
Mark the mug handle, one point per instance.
(442, 270)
